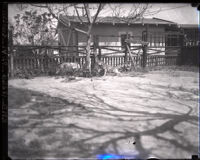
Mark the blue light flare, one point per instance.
(109, 156)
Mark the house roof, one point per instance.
(185, 26)
(117, 20)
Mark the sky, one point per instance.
(181, 13)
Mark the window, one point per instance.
(123, 36)
(172, 40)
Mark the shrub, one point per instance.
(99, 70)
(51, 71)
(125, 68)
(27, 73)
(22, 73)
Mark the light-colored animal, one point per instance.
(67, 67)
(107, 68)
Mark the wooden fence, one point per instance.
(43, 58)
(50, 63)
(190, 55)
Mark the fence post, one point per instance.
(126, 57)
(144, 36)
(144, 55)
(46, 60)
(96, 45)
(99, 53)
(94, 56)
(180, 58)
(11, 53)
(59, 48)
(126, 48)
(144, 46)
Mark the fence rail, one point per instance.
(50, 63)
(162, 49)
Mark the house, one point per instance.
(191, 33)
(113, 30)
(190, 49)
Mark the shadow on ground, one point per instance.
(45, 126)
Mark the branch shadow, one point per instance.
(88, 145)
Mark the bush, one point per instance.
(125, 68)
(51, 71)
(23, 73)
(83, 73)
(27, 73)
(37, 72)
(99, 70)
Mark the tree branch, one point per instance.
(78, 14)
(86, 6)
(97, 13)
(79, 30)
(66, 25)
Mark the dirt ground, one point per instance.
(137, 115)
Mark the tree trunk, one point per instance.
(88, 50)
(96, 44)
(88, 53)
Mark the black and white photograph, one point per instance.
(103, 80)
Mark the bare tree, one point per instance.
(134, 12)
(91, 12)
(57, 10)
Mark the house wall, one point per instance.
(71, 42)
(64, 35)
(111, 33)
(192, 36)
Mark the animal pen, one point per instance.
(148, 50)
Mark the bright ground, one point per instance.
(53, 118)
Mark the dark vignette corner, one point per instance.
(4, 80)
